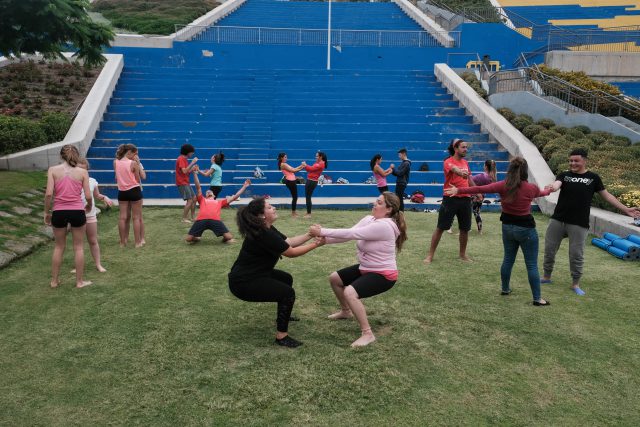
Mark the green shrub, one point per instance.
(507, 114)
(574, 133)
(622, 141)
(553, 146)
(560, 129)
(532, 130)
(17, 134)
(546, 123)
(584, 129)
(558, 162)
(521, 121)
(598, 137)
(541, 139)
(55, 126)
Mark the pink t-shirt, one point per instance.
(124, 175)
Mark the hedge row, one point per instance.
(470, 78)
(17, 133)
(613, 157)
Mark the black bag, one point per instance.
(424, 167)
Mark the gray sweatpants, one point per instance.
(556, 232)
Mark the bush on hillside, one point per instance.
(471, 79)
(507, 114)
(532, 130)
(17, 134)
(599, 137)
(560, 129)
(55, 126)
(521, 121)
(574, 134)
(581, 80)
(546, 123)
(584, 129)
(543, 138)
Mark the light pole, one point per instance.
(329, 39)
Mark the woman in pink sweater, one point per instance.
(518, 225)
(378, 237)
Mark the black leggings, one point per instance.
(309, 187)
(293, 189)
(276, 288)
(400, 193)
(477, 205)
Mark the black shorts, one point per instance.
(60, 219)
(201, 225)
(366, 285)
(132, 195)
(455, 207)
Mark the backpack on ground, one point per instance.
(424, 167)
(257, 173)
(417, 196)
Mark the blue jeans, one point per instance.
(514, 237)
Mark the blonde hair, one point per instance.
(392, 201)
(70, 154)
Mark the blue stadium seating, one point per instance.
(252, 108)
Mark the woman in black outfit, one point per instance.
(253, 276)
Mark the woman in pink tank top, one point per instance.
(65, 183)
(379, 173)
(128, 176)
(289, 173)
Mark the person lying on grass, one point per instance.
(209, 214)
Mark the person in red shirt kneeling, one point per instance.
(209, 214)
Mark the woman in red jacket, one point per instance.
(313, 173)
(518, 225)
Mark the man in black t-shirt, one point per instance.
(571, 216)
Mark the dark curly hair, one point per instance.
(250, 219)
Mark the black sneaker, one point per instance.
(288, 342)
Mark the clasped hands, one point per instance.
(314, 231)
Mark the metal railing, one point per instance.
(571, 97)
(314, 37)
(598, 41)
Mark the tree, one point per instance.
(48, 26)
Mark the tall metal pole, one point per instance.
(329, 39)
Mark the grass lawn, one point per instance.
(160, 340)
(13, 183)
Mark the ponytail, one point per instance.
(70, 154)
(491, 169)
(121, 151)
(392, 201)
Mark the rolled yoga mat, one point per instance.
(619, 253)
(601, 243)
(626, 246)
(634, 238)
(611, 237)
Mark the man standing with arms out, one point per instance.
(402, 175)
(571, 215)
(458, 174)
(183, 169)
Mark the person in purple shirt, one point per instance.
(485, 178)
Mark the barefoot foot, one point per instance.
(428, 259)
(465, 259)
(364, 340)
(83, 283)
(101, 269)
(342, 314)
(54, 284)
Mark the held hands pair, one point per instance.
(314, 231)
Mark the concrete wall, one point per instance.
(596, 64)
(539, 108)
(82, 130)
(426, 23)
(518, 145)
(166, 42)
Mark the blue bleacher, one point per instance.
(628, 88)
(541, 15)
(253, 101)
